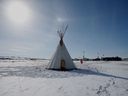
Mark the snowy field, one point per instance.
(30, 78)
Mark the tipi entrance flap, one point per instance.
(62, 64)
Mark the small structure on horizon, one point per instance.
(61, 60)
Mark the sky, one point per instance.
(28, 28)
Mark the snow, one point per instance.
(93, 78)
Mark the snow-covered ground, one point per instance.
(30, 78)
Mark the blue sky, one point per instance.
(98, 27)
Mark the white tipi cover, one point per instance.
(61, 60)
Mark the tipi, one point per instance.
(61, 60)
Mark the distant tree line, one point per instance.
(19, 58)
(75, 59)
(101, 59)
(111, 58)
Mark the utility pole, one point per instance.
(83, 55)
(97, 54)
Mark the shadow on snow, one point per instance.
(41, 72)
(90, 72)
